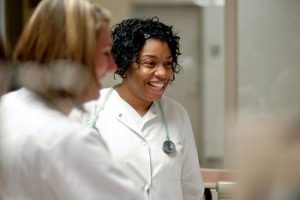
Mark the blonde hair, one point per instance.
(62, 30)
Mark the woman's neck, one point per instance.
(139, 105)
(63, 105)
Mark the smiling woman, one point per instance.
(149, 134)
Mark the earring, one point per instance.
(173, 77)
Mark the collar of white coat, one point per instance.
(123, 111)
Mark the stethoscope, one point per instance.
(168, 146)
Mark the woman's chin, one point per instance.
(92, 92)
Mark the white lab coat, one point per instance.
(136, 142)
(45, 155)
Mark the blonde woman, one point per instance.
(63, 51)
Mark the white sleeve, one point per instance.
(191, 179)
(80, 167)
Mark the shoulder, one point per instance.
(12, 98)
(90, 105)
(60, 129)
(75, 136)
(21, 106)
(48, 134)
(40, 125)
(104, 91)
(170, 104)
(66, 139)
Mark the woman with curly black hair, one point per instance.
(147, 132)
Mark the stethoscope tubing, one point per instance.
(168, 146)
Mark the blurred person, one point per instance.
(149, 133)
(268, 159)
(62, 52)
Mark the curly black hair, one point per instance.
(130, 35)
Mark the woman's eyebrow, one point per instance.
(151, 56)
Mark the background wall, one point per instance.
(213, 80)
(269, 52)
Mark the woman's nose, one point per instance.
(161, 70)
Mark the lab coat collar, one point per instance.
(122, 113)
(152, 113)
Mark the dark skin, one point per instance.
(146, 82)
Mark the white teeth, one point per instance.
(159, 85)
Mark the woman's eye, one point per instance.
(149, 64)
(168, 64)
(106, 53)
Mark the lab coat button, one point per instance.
(120, 115)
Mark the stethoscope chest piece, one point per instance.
(169, 147)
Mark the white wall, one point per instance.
(213, 81)
(269, 55)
